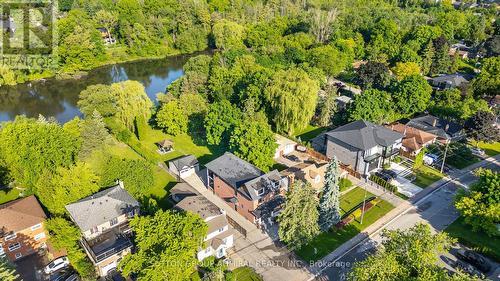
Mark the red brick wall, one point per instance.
(28, 244)
(223, 190)
(246, 206)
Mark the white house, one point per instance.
(220, 237)
(184, 166)
(285, 146)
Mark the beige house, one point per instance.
(311, 172)
(103, 221)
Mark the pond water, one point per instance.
(58, 98)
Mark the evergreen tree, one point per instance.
(329, 204)
(7, 271)
(427, 56)
(299, 219)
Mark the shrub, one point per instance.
(344, 184)
(141, 127)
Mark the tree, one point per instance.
(419, 159)
(329, 59)
(487, 83)
(441, 61)
(482, 127)
(329, 204)
(254, 141)
(292, 98)
(298, 222)
(327, 108)
(167, 244)
(107, 19)
(137, 175)
(481, 205)
(374, 106)
(407, 255)
(66, 186)
(405, 69)
(228, 35)
(64, 235)
(7, 76)
(451, 104)
(321, 23)
(412, 95)
(31, 147)
(220, 120)
(373, 75)
(131, 102)
(97, 98)
(172, 119)
(7, 271)
(93, 134)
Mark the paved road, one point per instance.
(436, 210)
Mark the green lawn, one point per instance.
(7, 195)
(246, 273)
(479, 241)
(426, 176)
(326, 242)
(461, 162)
(491, 149)
(309, 133)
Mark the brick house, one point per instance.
(22, 230)
(254, 194)
(103, 221)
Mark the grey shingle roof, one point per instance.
(364, 135)
(441, 127)
(251, 187)
(185, 161)
(101, 207)
(199, 205)
(455, 80)
(233, 170)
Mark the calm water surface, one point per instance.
(58, 98)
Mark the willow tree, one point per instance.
(292, 96)
(131, 102)
(329, 204)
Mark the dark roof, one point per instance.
(364, 135)
(101, 207)
(441, 128)
(455, 80)
(199, 205)
(185, 161)
(251, 187)
(233, 170)
(264, 210)
(165, 143)
(182, 190)
(20, 214)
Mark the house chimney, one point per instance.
(434, 122)
(120, 183)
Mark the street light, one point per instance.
(363, 210)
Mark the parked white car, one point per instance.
(429, 158)
(477, 151)
(56, 264)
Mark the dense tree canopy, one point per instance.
(373, 105)
(482, 127)
(167, 244)
(220, 121)
(137, 175)
(172, 119)
(412, 95)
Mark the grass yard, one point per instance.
(491, 149)
(183, 144)
(9, 194)
(461, 162)
(479, 241)
(426, 176)
(246, 273)
(326, 242)
(309, 133)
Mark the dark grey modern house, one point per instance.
(362, 145)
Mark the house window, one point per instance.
(18, 255)
(221, 229)
(36, 226)
(260, 192)
(39, 236)
(207, 250)
(113, 221)
(15, 246)
(10, 236)
(93, 230)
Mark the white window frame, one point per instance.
(36, 226)
(113, 221)
(10, 236)
(17, 247)
(18, 256)
(40, 236)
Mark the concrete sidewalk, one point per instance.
(257, 249)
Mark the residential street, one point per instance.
(436, 209)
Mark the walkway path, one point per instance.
(257, 250)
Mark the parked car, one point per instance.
(475, 259)
(390, 173)
(477, 151)
(293, 158)
(429, 158)
(383, 176)
(467, 268)
(56, 264)
(73, 277)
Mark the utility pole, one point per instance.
(444, 157)
(363, 210)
